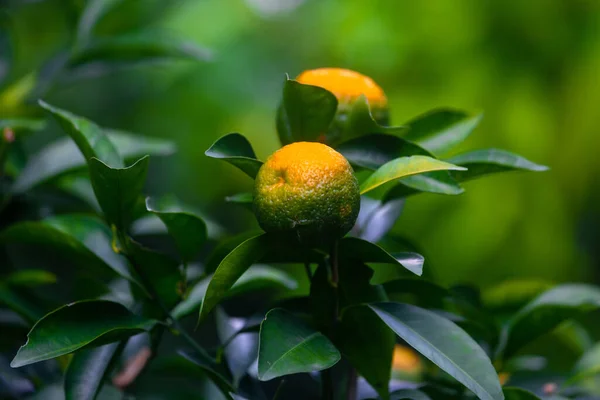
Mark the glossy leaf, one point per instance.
(62, 157)
(440, 130)
(287, 346)
(242, 350)
(377, 218)
(362, 122)
(138, 47)
(244, 199)
(515, 393)
(490, 161)
(88, 136)
(87, 370)
(236, 150)
(367, 252)
(27, 124)
(546, 312)
(118, 189)
(403, 167)
(187, 229)
(30, 278)
(444, 344)
(231, 268)
(79, 325)
(83, 237)
(305, 113)
(256, 278)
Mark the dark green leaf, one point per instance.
(445, 344)
(361, 122)
(231, 269)
(244, 199)
(161, 271)
(77, 326)
(94, 11)
(88, 136)
(62, 156)
(305, 113)
(410, 394)
(440, 130)
(403, 167)
(236, 150)
(87, 370)
(138, 47)
(17, 301)
(426, 292)
(515, 393)
(287, 346)
(187, 229)
(546, 312)
(30, 277)
(84, 237)
(363, 338)
(186, 365)
(377, 218)
(242, 350)
(256, 278)
(118, 189)
(367, 252)
(490, 161)
(17, 124)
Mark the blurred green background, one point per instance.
(532, 66)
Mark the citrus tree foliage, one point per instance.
(146, 313)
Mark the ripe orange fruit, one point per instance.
(309, 190)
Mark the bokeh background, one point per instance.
(533, 68)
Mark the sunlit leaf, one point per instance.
(444, 344)
(490, 161)
(288, 346)
(403, 167)
(236, 150)
(77, 326)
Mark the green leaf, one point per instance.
(236, 150)
(367, 252)
(79, 325)
(588, 366)
(373, 151)
(187, 229)
(515, 393)
(514, 294)
(440, 130)
(444, 344)
(138, 47)
(28, 124)
(287, 346)
(546, 312)
(361, 122)
(92, 13)
(491, 161)
(256, 278)
(188, 366)
(118, 189)
(83, 237)
(232, 268)
(88, 136)
(244, 199)
(242, 350)
(403, 167)
(87, 370)
(62, 157)
(19, 302)
(362, 337)
(30, 278)
(305, 112)
(410, 394)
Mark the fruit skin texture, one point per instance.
(307, 190)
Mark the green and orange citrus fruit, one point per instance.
(307, 190)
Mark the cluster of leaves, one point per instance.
(364, 298)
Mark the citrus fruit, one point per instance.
(308, 190)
